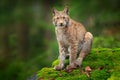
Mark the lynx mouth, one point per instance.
(61, 25)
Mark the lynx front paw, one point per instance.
(70, 67)
(59, 67)
(79, 62)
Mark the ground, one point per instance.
(104, 64)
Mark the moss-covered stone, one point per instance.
(99, 75)
(115, 76)
(105, 64)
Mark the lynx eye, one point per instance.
(57, 17)
(63, 17)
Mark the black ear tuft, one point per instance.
(54, 11)
(66, 10)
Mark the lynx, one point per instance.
(73, 39)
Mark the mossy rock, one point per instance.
(115, 76)
(99, 75)
(105, 64)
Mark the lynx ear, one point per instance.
(66, 10)
(54, 11)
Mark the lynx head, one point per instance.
(61, 18)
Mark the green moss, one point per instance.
(99, 75)
(115, 76)
(105, 64)
(47, 72)
(56, 62)
(77, 77)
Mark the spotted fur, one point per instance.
(73, 39)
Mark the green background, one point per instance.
(27, 37)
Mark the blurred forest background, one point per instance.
(27, 37)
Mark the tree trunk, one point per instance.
(4, 46)
(23, 42)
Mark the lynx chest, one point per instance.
(62, 36)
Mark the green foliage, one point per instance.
(14, 71)
(103, 61)
(106, 42)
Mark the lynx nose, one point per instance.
(61, 24)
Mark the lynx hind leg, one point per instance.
(85, 48)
